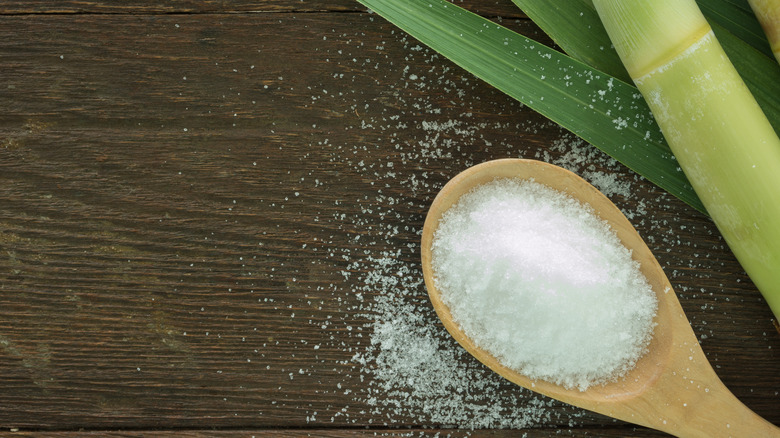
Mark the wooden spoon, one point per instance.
(673, 387)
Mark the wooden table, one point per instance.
(210, 216)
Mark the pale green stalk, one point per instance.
(721, 138)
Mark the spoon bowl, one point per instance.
(673, 387)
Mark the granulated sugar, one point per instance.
(400, 366)
(416, 369)
(538, 280)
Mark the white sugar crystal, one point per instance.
(538, 280)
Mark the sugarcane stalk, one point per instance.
(719, 135)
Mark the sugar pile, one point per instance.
(538, 280)
(410, 371)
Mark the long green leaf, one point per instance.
(577, 28)
(736, 17)
(606, 112)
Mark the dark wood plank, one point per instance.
(494, 8)
(203, 225)
(336, 433)
(166, 207)
(163, 7)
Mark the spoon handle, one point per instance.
(721, 414)
(690, 401)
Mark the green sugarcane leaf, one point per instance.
(601, 109)
(736, 17)
(576, 28)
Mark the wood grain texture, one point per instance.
(486, 7)
(328, 433)
(190, 207)
(134, 7)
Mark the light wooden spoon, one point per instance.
(673, 387)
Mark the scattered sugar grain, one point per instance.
(538, 280)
